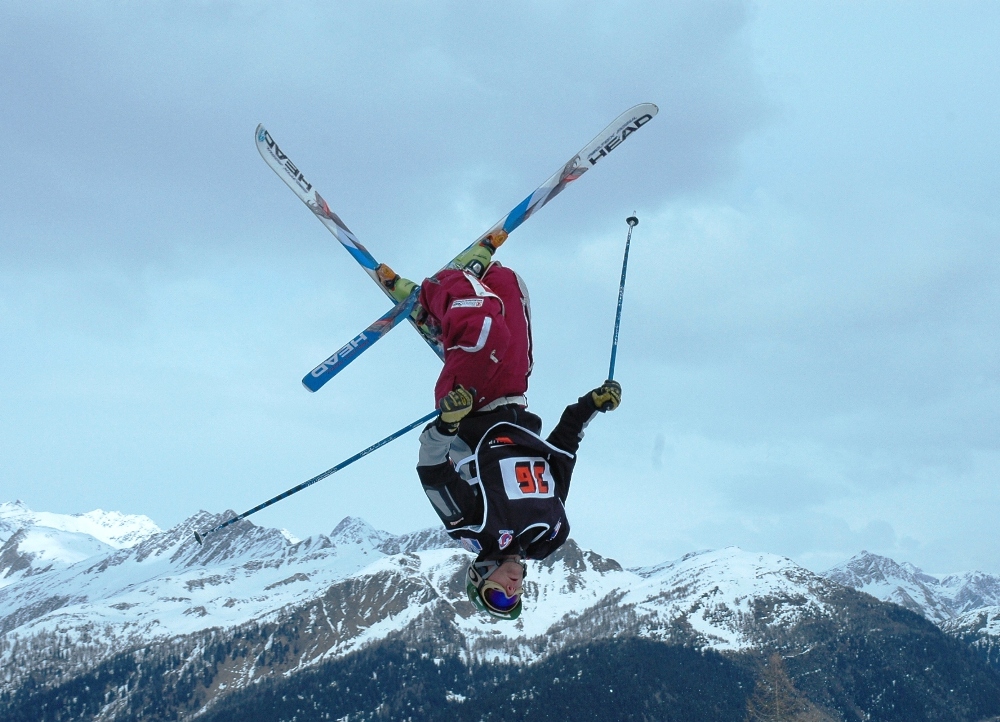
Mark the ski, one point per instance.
(289, 172)
(338, 361)
(603, 143)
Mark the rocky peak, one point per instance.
(972, 590)
(868, 569)
(418, 541)
(938, 598)
(352, 530)
(13, 515)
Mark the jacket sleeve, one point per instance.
(567, 436)
(569, 431)
(454, 500)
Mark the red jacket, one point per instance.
(485, 328)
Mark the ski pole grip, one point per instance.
(606, 406)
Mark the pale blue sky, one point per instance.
(808, 350)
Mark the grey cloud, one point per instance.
(134, 123)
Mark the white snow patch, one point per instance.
(113, 528)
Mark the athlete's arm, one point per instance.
(569, 431)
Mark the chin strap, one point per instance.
(480, 571)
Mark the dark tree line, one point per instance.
(865, 660)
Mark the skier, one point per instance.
(496, 484)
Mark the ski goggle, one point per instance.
(489, 596)
(495, 596)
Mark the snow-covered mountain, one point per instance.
(110, 527)
(167, 584)
(33, 543)
(71, 599)
(939, 597)
(365, 584)
(965, 605)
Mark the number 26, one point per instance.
(531, 477)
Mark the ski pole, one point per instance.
(632, 223)
(201, 536)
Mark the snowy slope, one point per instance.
(36, 550)
(358, 585)
(110, 527)
(979, 628)
(33, 543)
(710, 599)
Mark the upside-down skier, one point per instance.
(496, 484)
(499, 503)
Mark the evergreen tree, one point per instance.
(775, 698)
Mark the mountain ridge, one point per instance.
(279, 607)
(939, 597)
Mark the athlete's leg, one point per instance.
(475, 260)
(513, 376)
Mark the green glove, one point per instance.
(607, 396)
(454, 407)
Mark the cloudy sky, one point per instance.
(808, 349)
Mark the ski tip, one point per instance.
(311, 384)
(199, 538)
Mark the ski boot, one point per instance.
(400, 289)
(478, 257)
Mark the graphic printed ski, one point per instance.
(281, 164)
(315, 379)
(603, 143)
(294, 179)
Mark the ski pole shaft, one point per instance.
(632, 223)
(295, 489)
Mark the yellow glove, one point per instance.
(607, 396)
(454, 407)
